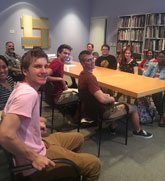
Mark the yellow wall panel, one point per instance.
(27, 24)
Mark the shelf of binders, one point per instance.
(155, 19)
(136, 46)
(131, 31)
(155, 32)
(143, 32)
(154, 44)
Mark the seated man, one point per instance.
(20, 131)
(106, 60)
(14, 62)
(56, 74)
(88, 82)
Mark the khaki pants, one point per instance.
(68, 145)
(111, 113)
(67, 96)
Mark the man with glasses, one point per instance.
(106, 60)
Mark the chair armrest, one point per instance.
(18, 169)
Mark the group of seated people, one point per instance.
(149, 66)
(23, 131)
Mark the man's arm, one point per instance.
(135, 70)
(52, 78)
(104, 98)
(114, 63)
(11, 142)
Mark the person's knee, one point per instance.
(94, 166)
(132, 108)
(80, 137)
(97, 164)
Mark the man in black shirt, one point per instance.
(106, 60)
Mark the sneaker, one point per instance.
(143, 133)
(88, 123)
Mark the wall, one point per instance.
(115, 8)
(69, 22)
(69, 19)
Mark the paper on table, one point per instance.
(68, 66)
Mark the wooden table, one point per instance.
(128, 84)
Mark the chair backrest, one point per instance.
(5, 165)
(89, 105)
(48, 89)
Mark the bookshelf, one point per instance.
(131, 31)
(155, 32)
(142, 32)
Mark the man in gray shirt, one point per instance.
(14, 61)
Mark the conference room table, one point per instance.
(126, 83)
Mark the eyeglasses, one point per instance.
(90, 59)
(104, 49)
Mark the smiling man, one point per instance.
(56, 75)
(14, 62)
(106, 60)
(88, 82)
(20, 130)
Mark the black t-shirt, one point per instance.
(108, 62)
(128, 67)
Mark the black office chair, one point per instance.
(8, 172)
(91, 109)
(50, 98)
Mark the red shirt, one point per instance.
(87, 81)
(58, 71)
(141, 64)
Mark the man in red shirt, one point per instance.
(88, 82)
(56, 74)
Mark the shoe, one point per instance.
(112, 131)
(88, 123)
(143, 133)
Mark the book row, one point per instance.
(155, 32)
(155, 19)
(136, 47)
(156, 45)
(135, 21)
(133, 35)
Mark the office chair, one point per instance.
(90, 108)
(9, 172)
(50, 98)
